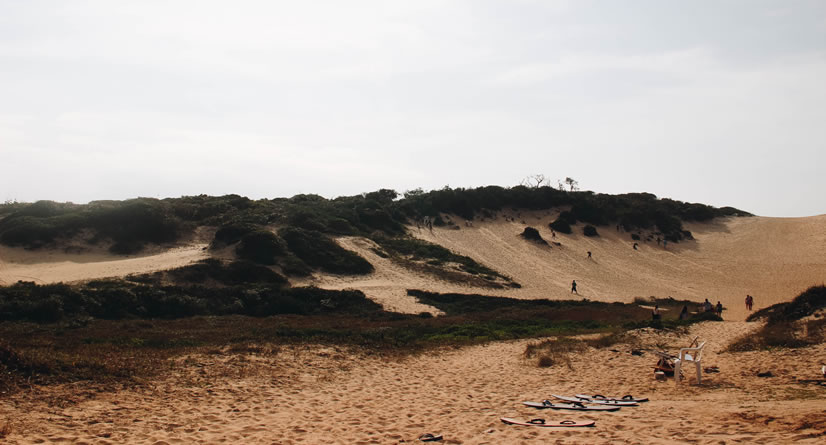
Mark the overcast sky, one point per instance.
(716, 102)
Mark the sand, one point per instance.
(772, 259)
(315, 394)
(45, 267)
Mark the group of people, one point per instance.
(708, 307)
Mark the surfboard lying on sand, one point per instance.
(546, 423)
(574, 406)
(597, 402)
(628, 398)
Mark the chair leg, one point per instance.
(677, 364)
(699, 373)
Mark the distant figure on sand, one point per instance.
(749, 301)
(589, 254)
(684, 313)
(635, 246)
(573, 287)
(719, 308)
(655, 314)
(553, 234)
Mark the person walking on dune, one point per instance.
(749, 301)
(573, 287)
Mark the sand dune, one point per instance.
(315, 394)
(772, 259)
(321, 394)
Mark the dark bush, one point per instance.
(231, 234)
(561, 226)
(318, 250)
(261, 247)
(532, 234)
(590, 230)
(635, 236)
(236, 272)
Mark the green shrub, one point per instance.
(261, 247)
(231, 234)
(561, 226)
(532, 234)
(590, 230)
(318, 250)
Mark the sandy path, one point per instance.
(54, 267)
(323, 395)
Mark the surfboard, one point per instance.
(627, 398)
(546, 423)
(597, 402)
(545, 404)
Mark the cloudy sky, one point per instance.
(720, 102)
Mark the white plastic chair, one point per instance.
(689, 355)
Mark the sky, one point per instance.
(718, 102)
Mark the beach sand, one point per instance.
(316, 394)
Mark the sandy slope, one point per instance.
(53, 267)
(773, 259)
(314, 395)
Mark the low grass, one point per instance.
(419, 254)
(127, 351)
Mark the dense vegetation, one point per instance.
(242, 288)
(108, 330)
(133, 223)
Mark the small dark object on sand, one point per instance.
(430, 437)
(636, 352)
(765, 374)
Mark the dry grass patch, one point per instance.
(553, 352)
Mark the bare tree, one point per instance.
(572, 183)
(536, 181)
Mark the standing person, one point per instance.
(707, 306)
(719, 308)
(749, 302)
(655, 314)
(684, 313)
(573, 287)
(589, 254)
